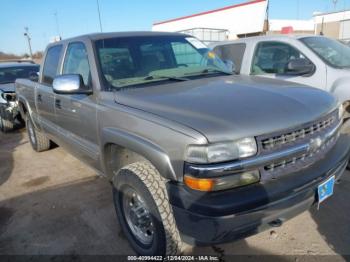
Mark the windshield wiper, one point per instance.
(213, 70)
(163, 77)
(150, 77)
(209, 71)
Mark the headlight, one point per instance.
(341, 111)
(222, 183)
(221, 152)
(2, 99)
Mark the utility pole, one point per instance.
(335, 4)
(26, 34)
(99, 14)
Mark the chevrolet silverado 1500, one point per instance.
(194, 153)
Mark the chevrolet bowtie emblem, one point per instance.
(315, 144)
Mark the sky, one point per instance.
(76, 17)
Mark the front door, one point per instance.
(271, 59)
(76, 114)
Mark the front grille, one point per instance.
(303, 160)
(286, 138)
(324, 129)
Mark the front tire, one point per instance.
(144, 212)
(37, 139)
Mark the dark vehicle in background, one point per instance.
(193, 152)
(9, 72)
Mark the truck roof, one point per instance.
(97, 36)
(7, 64)
(263, 37)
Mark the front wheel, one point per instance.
(144, 211)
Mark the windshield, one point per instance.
(331, 51)
(10, 74)
(130, 61)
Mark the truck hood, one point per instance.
(231, 107)
(10, 87)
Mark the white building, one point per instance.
(235, 21)
(229, 22)
(276, 26)
(335, 24)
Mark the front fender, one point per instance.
(139, 145)
(340, 89)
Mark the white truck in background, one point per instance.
(311, 60)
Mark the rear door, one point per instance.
(76, 114)
(45, 97)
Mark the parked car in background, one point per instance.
(316, 61)
(9, 72)
(194, 153)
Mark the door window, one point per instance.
(273, 58)
(51, 64)
(76, 62)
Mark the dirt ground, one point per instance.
(52, 204)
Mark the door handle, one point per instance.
(40, 99)
(58, 104)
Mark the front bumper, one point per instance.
(218, 217)
(8, 110)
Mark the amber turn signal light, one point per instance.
(201, 184)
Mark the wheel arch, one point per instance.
(120, 148)
(340, 89)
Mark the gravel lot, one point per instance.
(51, 203)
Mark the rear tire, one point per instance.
(37, 139)
(149, 190)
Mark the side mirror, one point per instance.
(34, 76)
(231, 65)
(300, 66)
(70, 84)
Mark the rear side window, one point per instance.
(233, 52)
(76, 61)
(52, 59)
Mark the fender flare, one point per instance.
(150, 151)
(22, 100)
